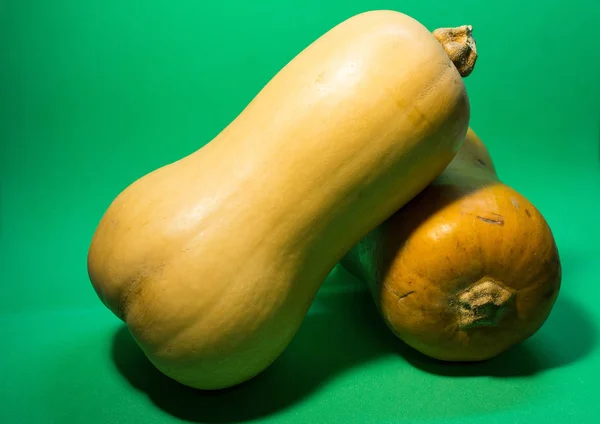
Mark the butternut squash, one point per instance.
(213, 261)
(465, 270)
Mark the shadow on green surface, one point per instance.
(567, 336)
(344, 332)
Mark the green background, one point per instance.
(94, 94)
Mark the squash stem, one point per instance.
(460, 47)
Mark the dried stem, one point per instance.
(460, 46)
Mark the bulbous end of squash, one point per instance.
(460, 47)
(467, 269)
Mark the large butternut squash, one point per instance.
(467, 269)
(213, 261)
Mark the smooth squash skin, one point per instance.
(465, 270)
(213, 261)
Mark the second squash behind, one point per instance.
(467, 269)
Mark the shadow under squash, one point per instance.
(567, 336)
(341, 331)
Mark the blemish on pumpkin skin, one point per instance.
(528, 213)
(514, 202)
(549, 293)
(499, 220)
(400, 297)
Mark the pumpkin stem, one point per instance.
(484, 303)
(460, 47)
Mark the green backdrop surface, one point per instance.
(94, 94)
